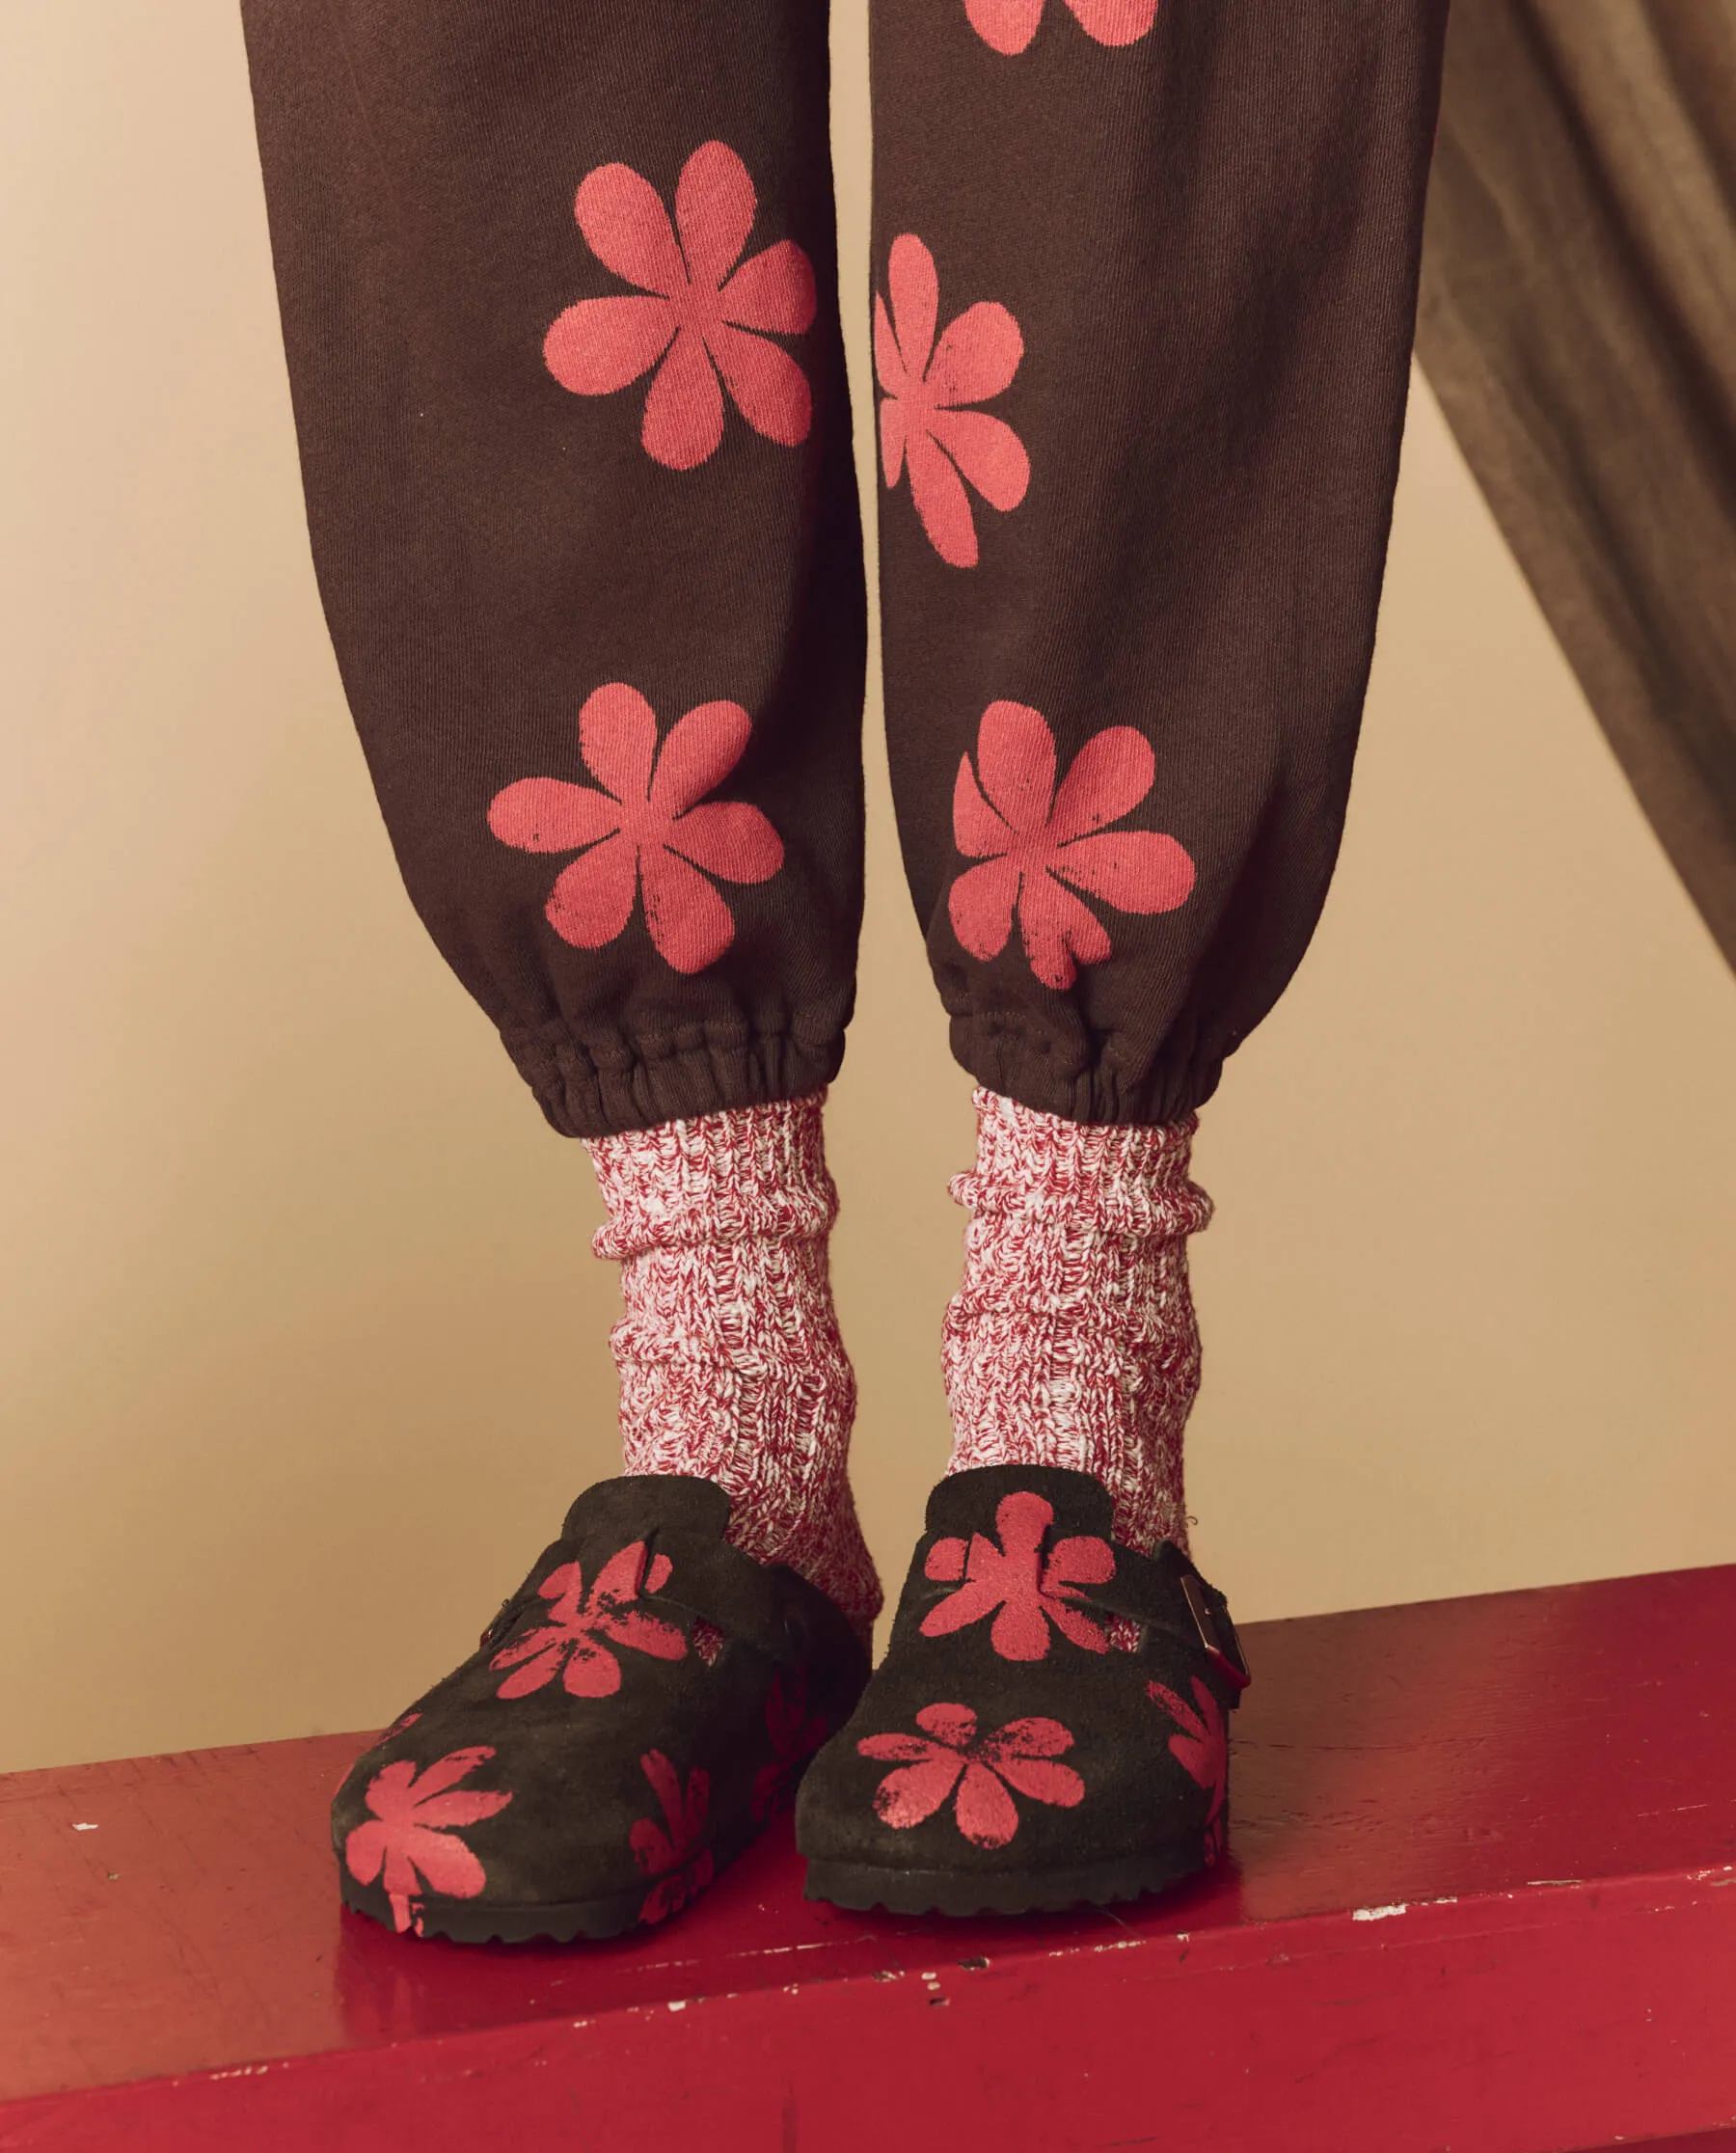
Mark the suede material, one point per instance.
(1004, 1733)
(643, 1716)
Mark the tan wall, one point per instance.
(301, 1349)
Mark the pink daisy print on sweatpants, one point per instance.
(648, 830)
(1009, 25)
(694, 316)
(1039, 843)
(926, 382)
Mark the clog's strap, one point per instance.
(1164, 1592)
(744, 1599)
(708, 1578)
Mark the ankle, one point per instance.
(729, 1351)
(1072, 1340)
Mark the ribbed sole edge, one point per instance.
(595, 1920)
(960, 1894)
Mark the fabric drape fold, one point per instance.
(1578, 324)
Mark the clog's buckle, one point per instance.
(1214, 1639)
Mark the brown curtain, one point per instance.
(1579, 326)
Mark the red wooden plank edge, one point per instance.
(1481, 1900)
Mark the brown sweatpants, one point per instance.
(559, 294)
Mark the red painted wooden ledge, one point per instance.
(1481, 1900)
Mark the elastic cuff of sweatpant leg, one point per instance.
(607, 1084)
(1083, 1079)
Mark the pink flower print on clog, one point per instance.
(1202, 1749)
(665, 1852)
(948, 1754)
(575, 1641)
(409, 1841)
(1015, 1585)
(795, 1733)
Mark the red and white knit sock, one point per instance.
(730, 1361)
(1072, 1340)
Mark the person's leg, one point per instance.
(1071, 1339)
(559, 303)
(558, 294)
(1145, 286)
(730, 1359)
(1170, 255)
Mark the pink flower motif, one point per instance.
(644, 829)
(795, 1735)
(948, 1753)
(1035, 840)
(925, 382)
(569, 1644)
(665, 1853)
(688, 307)
(1009, 25)
(1012, 1578)
(410, 1837)
(1203, 1751)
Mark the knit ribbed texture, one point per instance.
(1072, 1340)
(728, 1351)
